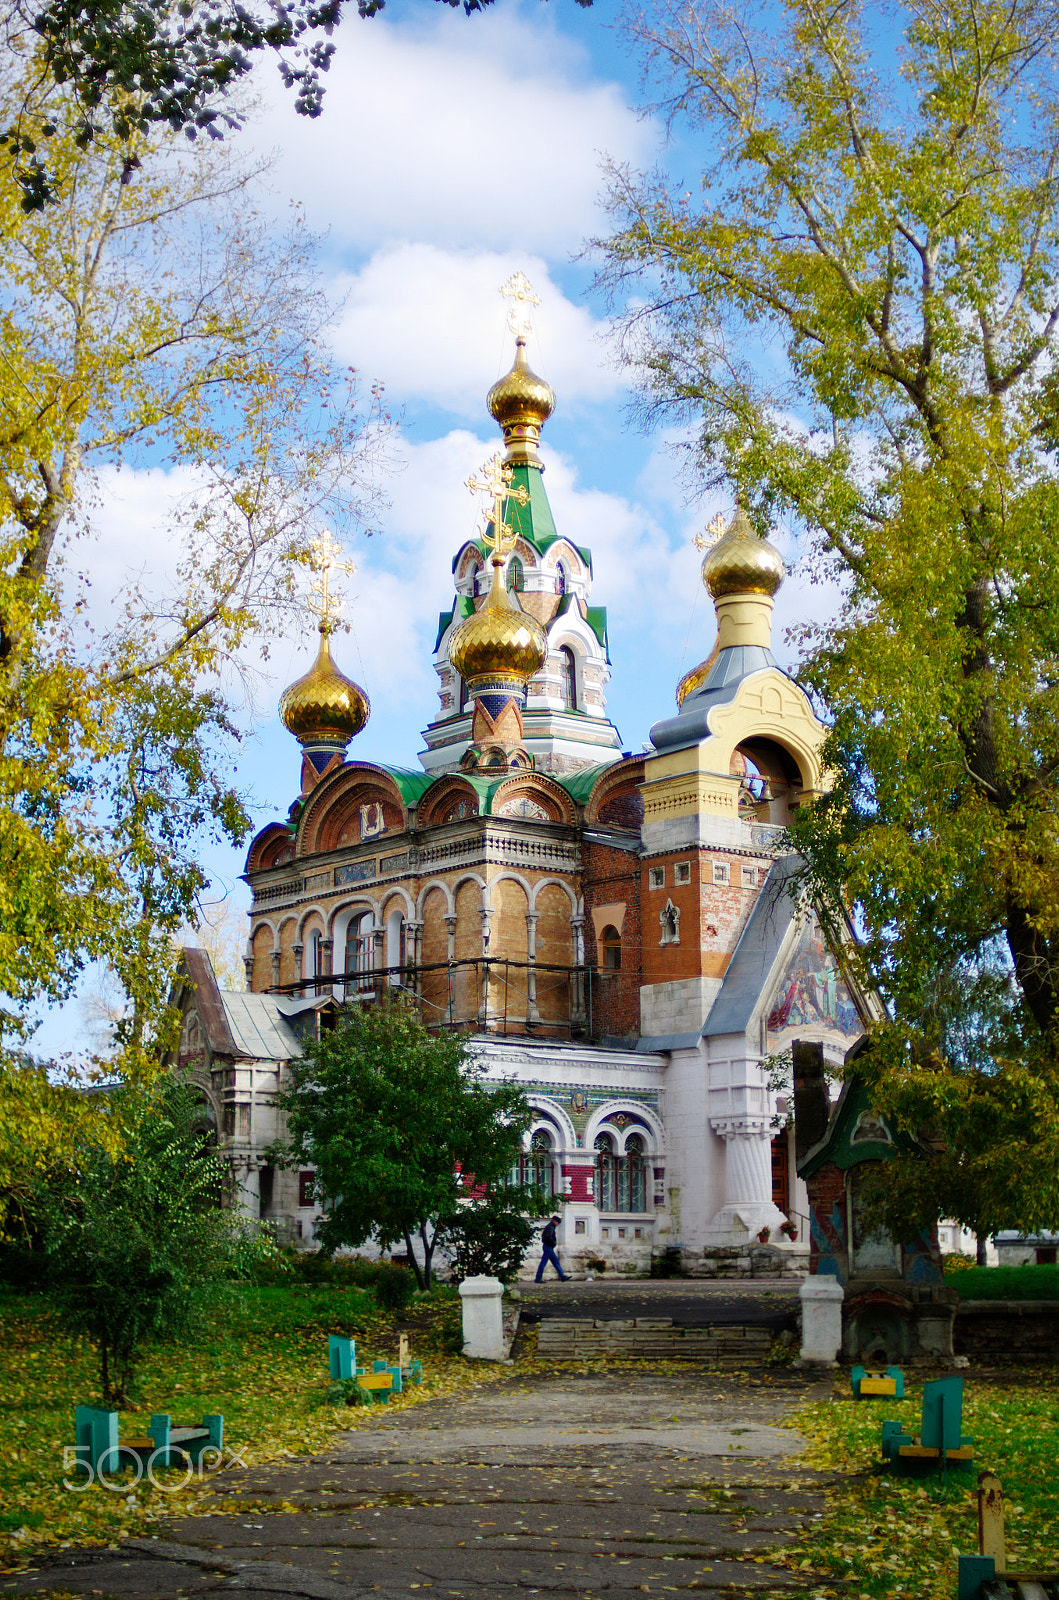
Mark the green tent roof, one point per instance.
(533, 521)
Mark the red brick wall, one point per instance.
(611, 877)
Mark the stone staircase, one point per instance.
(653, 1339)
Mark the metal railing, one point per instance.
(494, 995)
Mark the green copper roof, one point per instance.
(412, 784)
(579, 785)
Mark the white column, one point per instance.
(748, 1205)
(532, 1014)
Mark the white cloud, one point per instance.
(483, 132)
(431, 325)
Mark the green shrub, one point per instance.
(394, 1287)
(1030, 1282)
(346, 1392)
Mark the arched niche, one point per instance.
(771, 780)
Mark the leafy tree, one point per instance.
(859, 310)
(491, 1236)
(150, 319)
(401, 1130)
(133, 66)
(136, 1243)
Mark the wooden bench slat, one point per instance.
(927, 1452)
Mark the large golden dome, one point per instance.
(521, 403)
(324, 706)
(501, 641)
(742, 563)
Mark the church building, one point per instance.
(621, 933)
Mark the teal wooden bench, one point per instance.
(98, 1445)
(888, 1385)
(941, 1443)
(342, 1356)
(977, 1579)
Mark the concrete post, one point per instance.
(821, 1299)
(483, 1320)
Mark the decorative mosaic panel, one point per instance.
(579, 1104)
(318, 880)
(398, 863)
(523, 807)
(355, 872)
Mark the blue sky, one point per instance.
(452, 151)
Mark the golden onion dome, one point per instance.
(499, 641)
(697, 676)
(741, 562)
(521, 403)
(324, 705)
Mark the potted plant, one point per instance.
(790, 1230)
(764, 1235)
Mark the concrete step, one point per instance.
(652, 1339)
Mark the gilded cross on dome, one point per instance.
(519, 291)
(714, 529)
(494, 480)
(323, 560)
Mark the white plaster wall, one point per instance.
(695, 1157)
(678, 1007)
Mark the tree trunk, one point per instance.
(415, 1264)
(980, 1241)
(428, 1250)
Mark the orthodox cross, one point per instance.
(714, 529)
(519, 291)
(324, 560)
(494, 480)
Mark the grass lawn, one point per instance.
(887, 1536)
(263, 1364)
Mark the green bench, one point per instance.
(386, 1377)
(99, 1447)
(888, 1385)
(941, 1443)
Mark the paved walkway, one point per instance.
(612, 1483)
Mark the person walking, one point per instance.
(549, 1253)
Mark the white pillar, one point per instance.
(483, 1319)
(821, 1299)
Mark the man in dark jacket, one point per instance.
(548, 1241)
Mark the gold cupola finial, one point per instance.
(500, 643)
(740, 562)
(324, 709)
(742, 573)
(499, 648)
(520, 401)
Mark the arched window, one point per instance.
(316, 955)
(620, 1182)
(568, 676)
(396, 954)
(560, 578)
(534, 1168)
(357, 964)
(516, 575)
(610, 948)
(473, 576)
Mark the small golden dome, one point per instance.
(521, 403)
(499, 641)
(324, 705)
(741, 562)
(697, 676)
